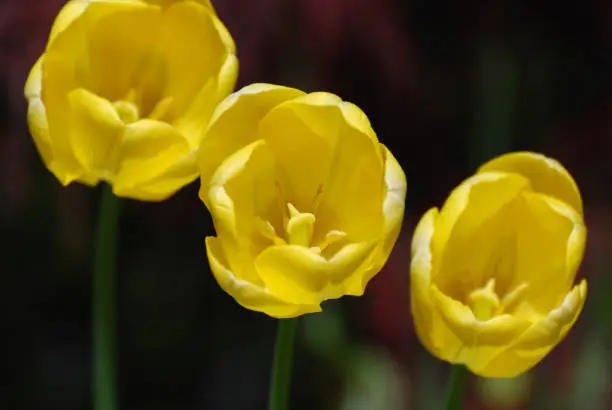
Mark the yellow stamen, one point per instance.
(161, 109)
(513, 298)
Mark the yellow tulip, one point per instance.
(492, 271)
(124, 91)
(306, 202)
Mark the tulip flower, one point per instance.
(306, 202)
(124, 90)
(492, 271)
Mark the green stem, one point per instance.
(456, 387)
(282, 366)
(104, 301)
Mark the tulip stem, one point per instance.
(456, 387)
(104, 352)
(283, 363)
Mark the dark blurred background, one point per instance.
(446, 84)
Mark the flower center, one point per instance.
(129, 110)
(299, 229)
(486, 304)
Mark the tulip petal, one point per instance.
(168, 3)
(357, 176)
(194, 50)
(420, 281)
(462, 229)
(356, 283)
(95, 132)
(545, 260)
(70, 12)
(150, 149)
(234, 125)
(37, 115)
(496, 331)
(393, 210)
(546, 175)
(302, 133)
(33, 83)
(535, 343)
(393, 205)
(242, 190)
(357, 119)
(180, 173)
(246, 293)
(195, 120)
(550, 329)
(302, 276)
(59, 77)
(126, 34)
(39, 128)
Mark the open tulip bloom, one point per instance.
(307, 204)
(492, 271)
(124, 91)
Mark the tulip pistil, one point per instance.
(126, 107)
(127, 111)
(299, 226)
(484, 302)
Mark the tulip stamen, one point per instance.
(161, 109)
(514, 297)
(266, 229)
(484, 302)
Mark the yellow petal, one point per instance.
(39, 127)
(168, 3)
(393, 214)
(297, 274)
(246, 293)
(60, 75)
(393, 210)
(150, 149)
(393, 204)
(95, 132)
(472, 229)
(118, 42)
(33, 83)
(37, 115)
(293, 272)
(241, 198)
(550, 329)
(432, 331)
(242, 191)
(302, 133)
(357, 176)
(357, 119)
(195, 120)
(181, 173)
(539, 339)
(544, 249)
(234, 125)
(498, 331)
(193, 49)
(71, 11)
(546, 175)
(420, 278)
